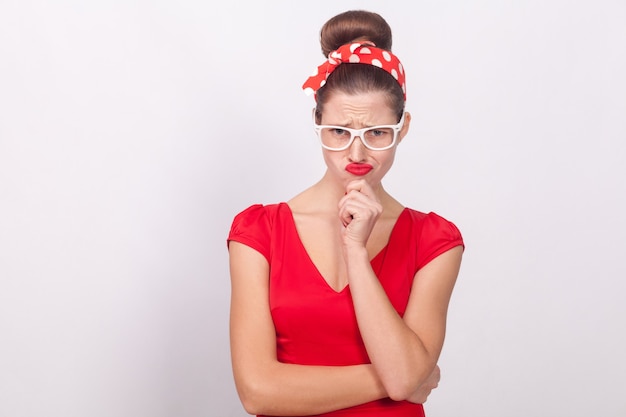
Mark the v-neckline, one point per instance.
(319, 274)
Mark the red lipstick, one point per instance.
(359, 169)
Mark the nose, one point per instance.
(357, 150)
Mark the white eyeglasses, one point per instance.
(375, 138)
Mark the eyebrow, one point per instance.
(345, 125)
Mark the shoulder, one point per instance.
(253, 226)
(433, 223)
(255, 214)
(434, 233)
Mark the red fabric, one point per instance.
(315, 325)
(356, 53)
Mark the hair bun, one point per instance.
(355, 25)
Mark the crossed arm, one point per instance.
(266, 386)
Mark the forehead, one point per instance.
(364, 108)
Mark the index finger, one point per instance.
(358, 185)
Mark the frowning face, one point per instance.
(361, 111)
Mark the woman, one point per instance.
(340, 295)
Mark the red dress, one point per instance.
(316, 325)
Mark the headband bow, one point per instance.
(356, 53)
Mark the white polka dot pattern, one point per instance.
(356, 53)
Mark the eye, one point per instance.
(376, 132)
(337, 131)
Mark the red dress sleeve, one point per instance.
(252, 228)
(438, 236)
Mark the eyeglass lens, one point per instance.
(337, 137)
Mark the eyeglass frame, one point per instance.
(359, 132)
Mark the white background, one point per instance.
(131, 132)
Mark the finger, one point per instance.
(361, 196)
(356, 199)
(349, 211)
(360, 186)
(361, 208)
(345, 217)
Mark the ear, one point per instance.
(405, 128)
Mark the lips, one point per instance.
(359, 169)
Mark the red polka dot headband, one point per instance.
(356, 53)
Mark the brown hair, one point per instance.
(350, 26)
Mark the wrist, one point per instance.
(355, 252)
(357, 261)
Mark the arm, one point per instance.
(403, 350)
(266, 386)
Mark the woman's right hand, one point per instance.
(422, 393)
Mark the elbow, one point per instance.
(251, 396)
(400, 391)
(250, 408)
(248, 405)
(257, 391)
(401, 387)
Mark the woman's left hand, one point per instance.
(359, 210)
